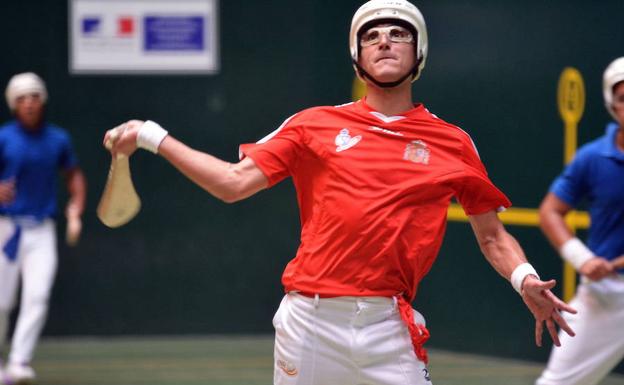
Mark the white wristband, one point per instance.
(575, 252)
(150, 135)
(520, 273)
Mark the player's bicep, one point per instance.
(552, 212)
(251, 178)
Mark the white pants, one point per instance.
(36, 266)
(344, 341)
(599, 343)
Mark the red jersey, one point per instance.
(373, 194)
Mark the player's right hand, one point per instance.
(546, 308)
(122, 139)
(7, 191)
(597, 268)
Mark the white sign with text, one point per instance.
(143, 36)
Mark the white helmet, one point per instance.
(612, 76)
(376, 11)
(24, 84)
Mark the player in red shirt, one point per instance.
(374, 180)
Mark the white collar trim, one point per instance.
(386, 119)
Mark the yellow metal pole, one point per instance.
(358, 89)
(571, 103)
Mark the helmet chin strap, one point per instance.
(395, 83)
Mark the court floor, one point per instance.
(220, 360)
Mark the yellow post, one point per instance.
(358, 90)
(571, 102)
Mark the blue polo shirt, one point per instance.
(33, 160)
(597, 175)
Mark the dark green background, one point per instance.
(191, 264)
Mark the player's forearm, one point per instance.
(552, 223)
(224, 180)
(503, 252)
(77, 188)
(500, 249)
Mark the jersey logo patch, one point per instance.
(417, 152)
(344, 141)
(288, 367)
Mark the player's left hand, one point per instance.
(546, 308)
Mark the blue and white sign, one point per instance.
(143, 36)
(173, 33)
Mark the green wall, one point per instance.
(191, 264)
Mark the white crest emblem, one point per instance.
(345, 141)
(417, 152)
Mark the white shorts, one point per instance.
(344, 341)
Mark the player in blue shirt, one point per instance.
(596, 175)
(32, 152)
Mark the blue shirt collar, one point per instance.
(609, 148)
(35, 132)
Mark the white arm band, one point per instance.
(150, 135)
(520, 273)
(575, 252)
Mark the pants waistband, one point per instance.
(25, 221)
(419, 334)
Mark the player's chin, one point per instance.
(388, 73)
(389, 77)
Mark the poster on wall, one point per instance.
(143, 37)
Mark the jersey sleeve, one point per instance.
(473, 188)
(67, 156)
(277, 155)
(3, 163)
(570, 186)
